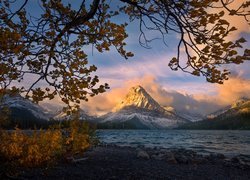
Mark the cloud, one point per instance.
(233, 89)
(181, 101)
(154, 64)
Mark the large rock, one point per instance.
(142, 155)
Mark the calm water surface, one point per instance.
(203, 141)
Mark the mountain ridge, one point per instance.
(137, 110)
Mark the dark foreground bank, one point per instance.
(113, 162)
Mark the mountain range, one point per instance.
(235, 116)
(138, 110)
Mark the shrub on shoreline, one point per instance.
(44, 147)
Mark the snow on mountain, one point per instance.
(17, 102)
(62, 115)
(50, 108)
(140, 106)
(190, 116)
(151, 119)
(239, 106)
(193, 117)
(169, 109)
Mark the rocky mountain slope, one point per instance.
(23, 112)
(193, 117)
(238, 107)
(236, 116)
(138, 97)
(139, 110)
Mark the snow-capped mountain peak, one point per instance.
(139, 110)
(138, 97)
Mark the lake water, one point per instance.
(203, 141)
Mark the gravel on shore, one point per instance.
(114, 162)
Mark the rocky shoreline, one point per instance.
(108, 161)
